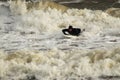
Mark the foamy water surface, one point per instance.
(33, 46)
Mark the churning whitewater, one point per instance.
(33, 46)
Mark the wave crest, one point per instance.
(114, 12)
(21, 7)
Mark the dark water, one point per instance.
(91, 4)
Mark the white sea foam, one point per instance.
(34, 47)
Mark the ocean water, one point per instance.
(33, 47)
(68, 1)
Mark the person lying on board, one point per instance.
(72, 31)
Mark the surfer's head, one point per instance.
(70, 27)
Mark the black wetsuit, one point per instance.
(72, 31)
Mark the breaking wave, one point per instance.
(48, 16)
(59, 65)
(34, 47)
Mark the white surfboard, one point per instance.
(70, 36)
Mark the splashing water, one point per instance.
(35, 48)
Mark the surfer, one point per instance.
(72, 31)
